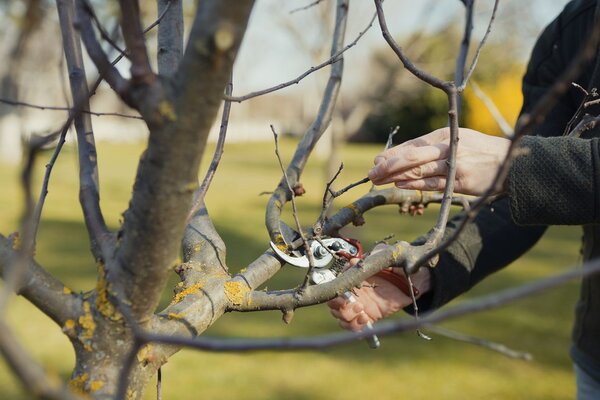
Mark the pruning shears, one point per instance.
(329, 258)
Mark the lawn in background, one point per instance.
(405, 366)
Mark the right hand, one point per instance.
(376, 299)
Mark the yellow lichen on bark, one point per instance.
(166, 110)
(145, 354)
(353, 208)
(96, 385)
(16, 241)
(77, 383)
(103, 304)
(195, 288)
(69, 327)
(88, 326)
(236, 292)
(280, 242)
(175, 316)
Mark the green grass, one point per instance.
(405, 366)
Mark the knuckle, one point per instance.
(410, 154)
(432, 183)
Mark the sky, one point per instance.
(271, 53)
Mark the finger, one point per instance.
(433, 168)
(347, 313)
(409, 158)
(433, 138)
(433, 183)
(337, 303)
(354, 325)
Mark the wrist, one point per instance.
(421, 279)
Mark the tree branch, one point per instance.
(131, 26)
(463, 82)
(69, 109)
(422, 75)
(167, 174)
(170, 36)
(89, 194)
(282, 194)
(383, 328)
(105, 68)
(40, 288)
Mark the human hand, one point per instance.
(421, 163)
(376, 299)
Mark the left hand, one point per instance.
(421, 163)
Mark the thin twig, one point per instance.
(390, 140)
(417, 72)
(159, 384)
(478, 51)
(334, 58)
(413, 298)
(582, 106)
(306, 7)
(497, 347)
(102, 31)
(587, 123)
(350, 186)
(326, 203)
(17, 103)
(461, 60)
(309, 255)
(220, 148)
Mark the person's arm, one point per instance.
(493, 240)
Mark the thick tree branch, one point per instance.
(167, 174)
(170, 36)
(202, 246)
(131, 26)
(395, 255)
(40, 288)
(89, 194)
(282, 194)
(383, 328)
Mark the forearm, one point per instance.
(489, 243)
(555, 182)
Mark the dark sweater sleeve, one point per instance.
(486, 245)
(555, 181)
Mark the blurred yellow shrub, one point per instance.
(505, 93)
